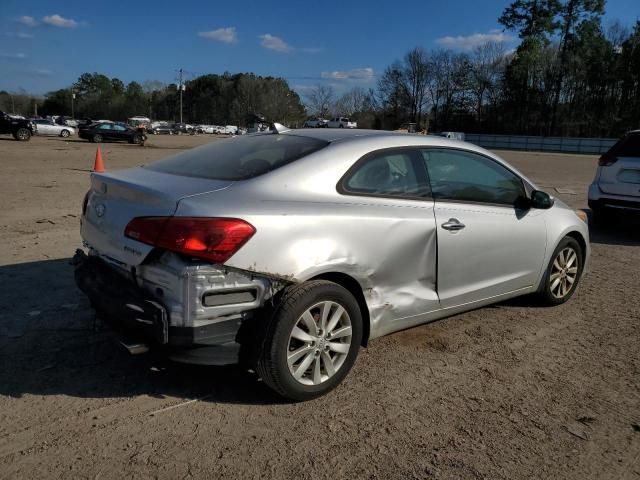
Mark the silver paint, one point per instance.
(409, 268)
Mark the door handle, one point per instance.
(453, 224)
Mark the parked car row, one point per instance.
(166, 128)
(337, 122)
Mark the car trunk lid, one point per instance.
(116, 198)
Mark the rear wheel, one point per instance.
(563, 273)
(22, 134)
(97, 138)
(312, 340)
(65, 133)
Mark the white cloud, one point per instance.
(469, 42)
(354, 74)
(277, 44)
(43, 72)
(28, 21)
(56, 20)
(224, 35)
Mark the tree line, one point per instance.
(208, 99)
(568, 76)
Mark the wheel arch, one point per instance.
(353, 286)
(577, 236)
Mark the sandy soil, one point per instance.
(509, 391)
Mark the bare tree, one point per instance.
(354, 100)
(416, 79)
(393, 94)
(320, 101)
(487, 65)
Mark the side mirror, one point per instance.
(541, 200)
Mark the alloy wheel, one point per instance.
(319, 343)
(564, 272)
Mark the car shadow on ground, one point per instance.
(618, 230)
(51, 344)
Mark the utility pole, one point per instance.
(181, 87)
(73, 97)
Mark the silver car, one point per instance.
(288, 251)
(47, 127)
(616, 186)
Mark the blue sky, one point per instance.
(45, 45)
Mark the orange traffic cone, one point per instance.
(98, 166)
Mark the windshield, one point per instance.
(239, 158)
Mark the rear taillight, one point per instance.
(607, 159)
(214, 239)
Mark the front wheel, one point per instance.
(65, 133)
(563, 273)
(97, 138)
(22, 134)
(312, 340)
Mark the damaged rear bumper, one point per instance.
(144, 320)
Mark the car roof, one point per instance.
(334, 134)
(347, 134)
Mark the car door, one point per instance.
(44, 127)
(487, 245)
(106, 130)
(119, 132)
(392, 198)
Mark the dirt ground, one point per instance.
(509, 391)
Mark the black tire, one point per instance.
(65, 133)
(22, 134)
(272, 365)
(136, 139)
(97, 138)
(546, 293)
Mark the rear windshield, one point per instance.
(239, 158)
(628, 146)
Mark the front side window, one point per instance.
(119, 128)
(387, 173)
(462, 176)
(105, 126)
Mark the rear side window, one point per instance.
(387, 173)
(468, 177)
(239, 158)
(628, 146)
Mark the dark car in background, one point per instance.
(99, 132)
(162, 130)
(21, 128)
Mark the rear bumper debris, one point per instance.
(143, 320)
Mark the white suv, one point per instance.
(617, 181)
(342, 122)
